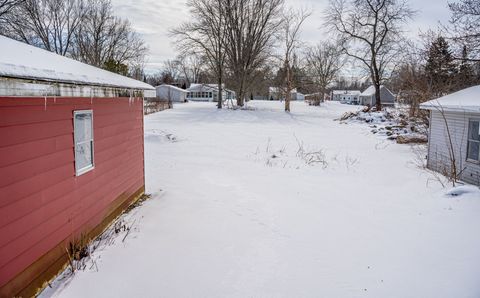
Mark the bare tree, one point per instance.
(103, 39)
(290, 30)
(206, 34)
(173, 68)
(251, 27)
(6, 6)
(371, 33)
(50, 24)
(191, 67)
(411, 82)
(465, 22)
(324, 62)
(86, 30)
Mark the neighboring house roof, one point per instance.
(371, 90)
(210, 87)
(464, 100)
(23, 61)
(346, 92)
(172, 87)
(279, 90)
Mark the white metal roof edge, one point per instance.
(448, 108)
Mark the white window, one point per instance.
(473, 150)
(83, 137)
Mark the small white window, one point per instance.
(83, 137)
(473, 150)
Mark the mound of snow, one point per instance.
(462, 190)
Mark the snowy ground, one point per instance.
(266, 204)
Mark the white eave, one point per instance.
(466, 100)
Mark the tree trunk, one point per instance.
(241, 93)
(378, 101)
(220, 89)
(288, 94)
(240, 97)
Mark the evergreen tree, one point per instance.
(466, 72)
(116, 67)
(440, 68)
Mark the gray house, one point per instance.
(171, 93)
(455, 135)
(367, 98)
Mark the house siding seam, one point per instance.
(42, 202)
(439, 156)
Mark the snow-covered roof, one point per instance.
(23, 61)
(171, 87)
(371, 90)
(464, 100)
(346, 92)
(208, 87)
(279, 90)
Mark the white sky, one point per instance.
(153, 18)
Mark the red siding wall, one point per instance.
(42, 202)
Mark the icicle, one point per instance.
(45, 95)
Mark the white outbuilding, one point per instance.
(454, 136)
(367, 98)
(171, 93)
(346, 96)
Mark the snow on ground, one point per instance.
(267, 204)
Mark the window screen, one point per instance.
(83, 136)
(473, 140)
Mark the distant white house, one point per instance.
(208, 92)
(346, 96)
(367, 98)
(455, 132)
(171, 93)
(277, 93)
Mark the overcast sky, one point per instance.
(153, 18)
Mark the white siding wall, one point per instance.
(438, 148)
(168, 93)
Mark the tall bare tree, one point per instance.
(465, 22)
(371, 31)
(251, 28)
(324, 62)
(173, 68)
(6, 6)
(103, 40)
(50, 24)
(206, 34)
(191, 66)
(292, 22)
(410, 80)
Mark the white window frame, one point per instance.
(79, 172)
(469, 140)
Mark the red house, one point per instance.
(71, 158)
